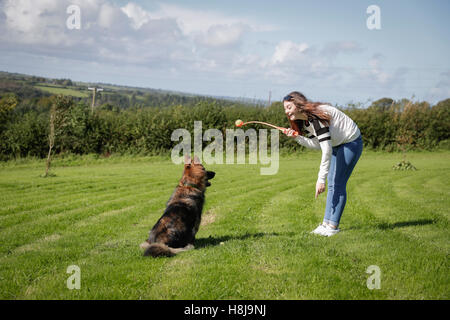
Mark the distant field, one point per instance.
(254, 242)
(64, 91)
(55, 89)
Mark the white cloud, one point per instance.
(344, 46)
(138, 15)
(223, 35)
(125, 35)
(28, 21)
(109, 16)
(200, 21)
(376, 72)
(26, 15)
(288, 51)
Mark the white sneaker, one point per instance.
(329, 231)
(319, 229)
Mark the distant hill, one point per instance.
(123, 97)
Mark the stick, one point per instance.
(239, 123)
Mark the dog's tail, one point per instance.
(161, 250)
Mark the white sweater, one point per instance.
(341, 130)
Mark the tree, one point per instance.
(405, 136)
(7, 104)
(61, 105)
(440, 121)
(383, 104)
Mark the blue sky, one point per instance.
(237, 48)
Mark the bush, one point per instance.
(385, 125)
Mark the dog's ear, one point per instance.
(187, 159)
(196, 160)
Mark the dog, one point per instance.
(176, 229)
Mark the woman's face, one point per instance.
(292, 111)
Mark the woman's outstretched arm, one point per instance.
(312, 143)
(324, 139)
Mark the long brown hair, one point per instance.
(308, 108)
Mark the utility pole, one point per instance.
(94, 91)
(270, 97)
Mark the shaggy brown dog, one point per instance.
(175, 230)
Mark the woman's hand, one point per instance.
(290, 132)
(320, 187)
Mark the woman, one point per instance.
(321, 126)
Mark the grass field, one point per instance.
(254, 241)
(54, 89)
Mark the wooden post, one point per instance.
(94, 91)
(51, 140)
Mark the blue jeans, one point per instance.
(343, 160)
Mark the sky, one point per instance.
(244, 49)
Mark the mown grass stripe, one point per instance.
(55, 209)
(102, 187)
(61, 203)
(26, 232)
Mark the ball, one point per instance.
(239, 123)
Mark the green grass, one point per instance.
(54, 89)
(254, 242)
